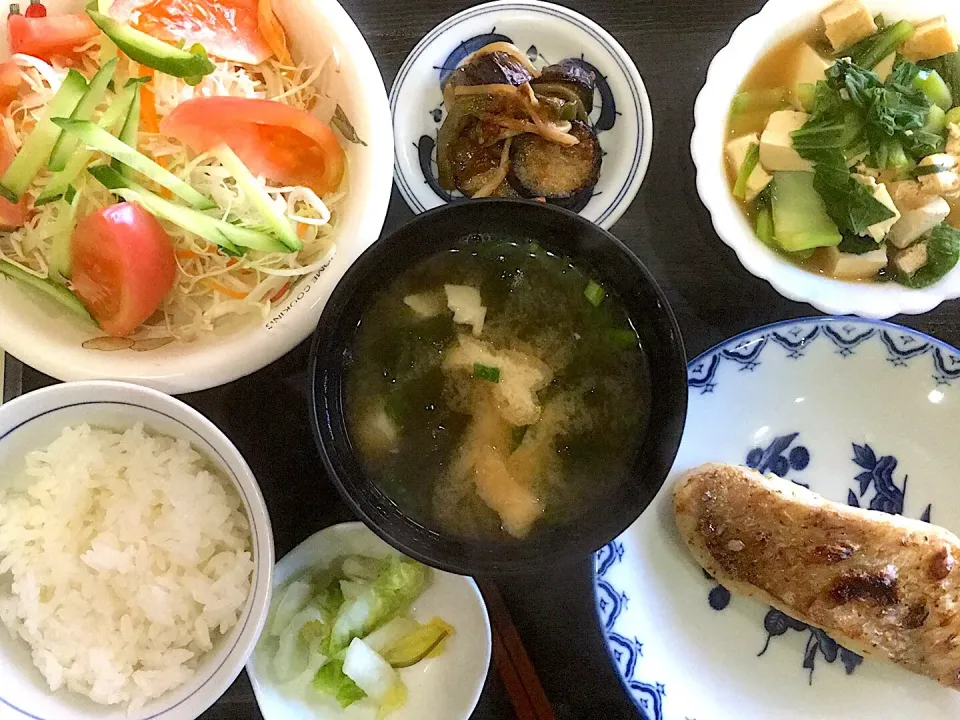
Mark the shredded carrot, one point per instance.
(281, 292)
(223, 289)
(149, 122)
(186, 254)
(272, 31)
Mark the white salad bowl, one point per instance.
(42, 334)
(446, 687)
(777, 20)
(33, 421)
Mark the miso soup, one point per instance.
(496, 390)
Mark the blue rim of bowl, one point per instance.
(253, 529)
(657, 690)
(639, 163)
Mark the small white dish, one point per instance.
(852, 408)
(446, 687)
(777, 20)
(42, 334)
(36, 419)
(548, 33)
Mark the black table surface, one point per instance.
(265, 414)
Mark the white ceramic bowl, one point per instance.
(446, 687)
(547, 33)
(42, 335)
(36, 419)
(755, 36)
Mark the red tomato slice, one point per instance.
(11, 214)
(10, 81)
(287, 145)
(228, 29)
(44, 37)
(123, 266)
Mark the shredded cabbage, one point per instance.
(213, 293)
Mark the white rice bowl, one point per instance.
(123, 557)
(188, 512)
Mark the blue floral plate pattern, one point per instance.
(863, 412)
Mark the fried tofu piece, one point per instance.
(847, 22)
(930, 40)
(911, 259)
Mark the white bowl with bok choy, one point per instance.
(827, 146)
(357, 630)
(173, 213)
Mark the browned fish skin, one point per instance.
(881, 585)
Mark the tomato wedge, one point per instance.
(285, 144)
(11, 214)
(45, 37)
(10, 81)
(228, 29)
(123, 266)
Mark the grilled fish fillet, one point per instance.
(881, 585)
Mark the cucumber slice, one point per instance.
(111, 121)
(66, 144)
(36, 148)
(48, 288)
(129, 132)
(60, 259)
(799, 215)
(230, 237)
(275, 219)
(99, 139)
(153, 53)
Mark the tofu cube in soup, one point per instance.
(885, 67)
(912, 259)
(913, 224)
(930, 40)
(848, 266)
(776, 143)
(736, 155)
(946, 182)
(810, 67)
(878, 231)
(847, 22)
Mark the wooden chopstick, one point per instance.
(519, 676)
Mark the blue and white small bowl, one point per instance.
(548, 33)
(863, 412)
(33, 421)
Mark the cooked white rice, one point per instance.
(122, 562)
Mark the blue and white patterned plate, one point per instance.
(548, 33)
(863, 412)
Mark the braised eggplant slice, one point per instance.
(543, 169)
(494, 68)
(474, 157)
(572, 75)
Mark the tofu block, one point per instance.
(885, 67)
(878, 231)
(911, 259)
(931, 40)
(847, 22)
(776, 145)
(915, 223)
(847, 266)
(810, 67)
(944, 183)
(736, 153)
